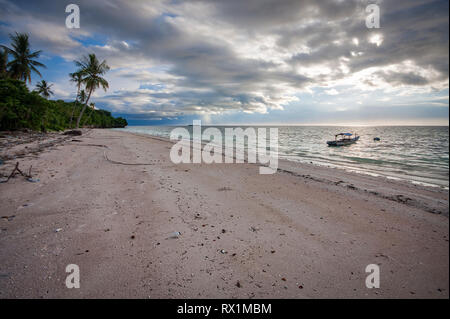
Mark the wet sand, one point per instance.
(304, 232)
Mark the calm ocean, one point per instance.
(419, 154)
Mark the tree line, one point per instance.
(20, 108)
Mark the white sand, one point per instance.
(304, 232)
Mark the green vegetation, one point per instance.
(3, 63)
(20, 108)
(44, 89)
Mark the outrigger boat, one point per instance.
(346, 139)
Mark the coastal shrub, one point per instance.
(22, 109)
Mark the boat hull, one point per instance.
(343, 142)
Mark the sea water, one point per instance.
(418, 154)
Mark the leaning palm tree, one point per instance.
(44, 89)
(81, 97)
(77, 78)
(22, 63)
(3, 63)
(91, 70)
(92, 107)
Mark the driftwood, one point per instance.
(17, 170)
(73, 132)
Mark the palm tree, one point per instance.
(78, 79)
(44, 89)
(3, 63)
(82, 96)
(91, 70)
(92, 106)
(22, 63)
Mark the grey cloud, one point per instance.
(414, 31)
(398, 78)
(205, 72)
(269, 14)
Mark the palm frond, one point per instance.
(22, 62)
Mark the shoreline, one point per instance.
(315, 227)
(439, 184)
(335, 176)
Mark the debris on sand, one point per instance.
(175, 235)
(402, 199)
(17, 170)
(73, 132)
(254, 229)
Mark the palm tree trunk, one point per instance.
(84, 108)
(90, 114)
(73, 109)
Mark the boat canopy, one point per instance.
(345, 134)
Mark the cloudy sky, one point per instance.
(252, 61)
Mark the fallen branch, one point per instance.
(17, 170)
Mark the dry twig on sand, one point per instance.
(17, 170)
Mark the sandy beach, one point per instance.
(304, 232)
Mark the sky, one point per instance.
(249, 62)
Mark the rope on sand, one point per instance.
(97, 145)
(112, 161)
(122, 163)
